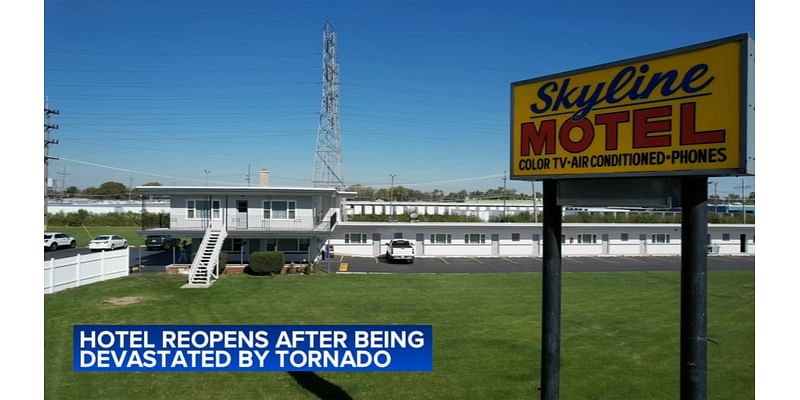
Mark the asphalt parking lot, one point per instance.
(155, 261)
(151, 261)
(527, 264)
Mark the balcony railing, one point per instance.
(255, 223)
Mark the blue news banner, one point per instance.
(252, 348)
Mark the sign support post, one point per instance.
(551, 292)
(694, 288)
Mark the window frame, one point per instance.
(268, 213)
(515, 237)
(591, 236)
(663, 239)
(214, 209)
(480, 238)
(447, 238)
(348, 238)
(275, 243)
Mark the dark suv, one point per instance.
(158, 242)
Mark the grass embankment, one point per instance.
(84, 234)
(620, 334)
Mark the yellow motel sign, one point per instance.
(683, 112)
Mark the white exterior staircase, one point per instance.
(205, 266)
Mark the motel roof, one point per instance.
(241, 190)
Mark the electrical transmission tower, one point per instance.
(47, 142)
(328, 154)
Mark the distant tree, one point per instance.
(437, 195)
(71, 191)
(153, 184)
(112, 190)
(362, 192)
(733, 197)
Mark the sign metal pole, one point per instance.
(694, 288)
(551, 292)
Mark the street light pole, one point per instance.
(391, 198)
(207, 172)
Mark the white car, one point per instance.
(108, 242)
(54, 240)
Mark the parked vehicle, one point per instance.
(160, 242)
(400, 249)
(108, 242)
(54, 240)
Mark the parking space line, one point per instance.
(376, 259)
(477, 261)
(444, 261)
(341, 259)
(634, 259)
(601, 259)
(509, 260)
(574, 259)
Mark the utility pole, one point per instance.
(391, 198)
(63, 180)
(504, 194)
(47, 142)
(716, 199)
(743, 187)
(248, 175)
(130, 188)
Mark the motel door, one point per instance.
(376, 244)
(241, 214)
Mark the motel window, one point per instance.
(355, 238)
(587, 238)
(232, 244)
(474, 238)
(441, 238)
(199, 209)
(624, 237)
(398, 235)
(726, 237)
(288, 245)
(281, 209)
(659, 238)
(515, 237)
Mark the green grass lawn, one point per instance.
(620, 334)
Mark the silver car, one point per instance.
(108, 242)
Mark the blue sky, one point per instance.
(173, 88)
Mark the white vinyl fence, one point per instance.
(65, 273)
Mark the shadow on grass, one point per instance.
(250, 271)
(319, 386)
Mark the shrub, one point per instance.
(265, 262)
(222, 261)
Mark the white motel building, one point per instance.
(301, 221)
